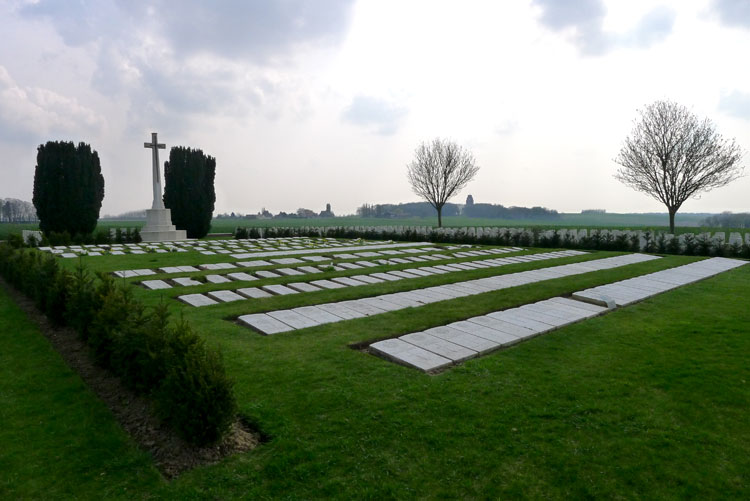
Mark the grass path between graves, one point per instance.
(649, 401)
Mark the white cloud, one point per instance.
(33, 112)
(380, 115)
(736, 104)
(582, 21)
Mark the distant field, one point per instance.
(566, 220)
(685, 223)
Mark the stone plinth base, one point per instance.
(159, 227)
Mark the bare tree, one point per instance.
(672, 155)
(440, 169)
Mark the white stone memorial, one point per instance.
(159, 227)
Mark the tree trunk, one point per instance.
(672, 212)
(440, 216)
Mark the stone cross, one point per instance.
(155, 147)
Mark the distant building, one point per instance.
(594, 211)
(328, 212)
(469, 200)
(306, 213)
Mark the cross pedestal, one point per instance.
(159, 227)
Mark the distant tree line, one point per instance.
(424, 209)
(501, 212)
(132, 215)
(13, 210)
(412, 209)
(728, 220)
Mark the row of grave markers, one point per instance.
(440, 347)
(213, 297)
(274, 322)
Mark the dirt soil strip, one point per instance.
(171, 454)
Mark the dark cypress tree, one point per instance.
(189, 190)
(68, 187)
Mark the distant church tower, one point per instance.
(469, 200)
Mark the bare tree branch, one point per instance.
(440, 170)
(672, 156)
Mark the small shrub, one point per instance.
(15, 240)
(661, 244)
(673, 245)
(691, 245)
(704, 245)
(196, 395)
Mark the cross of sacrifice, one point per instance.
(155, 147)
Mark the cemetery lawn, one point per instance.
(648, 401)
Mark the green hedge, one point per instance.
(597, 240)
(165, 360)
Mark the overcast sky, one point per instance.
(308, 102)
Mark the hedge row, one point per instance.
(651, 242)
(164, 360)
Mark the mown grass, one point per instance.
(57, 440)
(648, 401)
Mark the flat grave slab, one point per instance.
(327, 284)
(241, 276)
(543, 318)
(367, 264)
(362, 307)
(512, 317)
(405, 353)
(197, 300)
(345, 256)
(264, 324)
(217, 279)
(125, 273)
(156, 284)
(591, 308)
(502, 338)
(287, 260)
(187, 269)
(465, 339)
(340, 310)
(303, 287)
(402, 274)
(317, 315)
(267, 274)
(348, 281)
(498, 324)
(293, 319)
(386, 276)
(186, 281)
(170, 269)
(433, 270)
(280, 290)
(316, 259)
(421, 272)
(349, 266)
(253, 264)
(225, 296)
(367, 279)
(446, 349)
(381, 304)
(309, 269)
(288, 272)
(253, 292)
